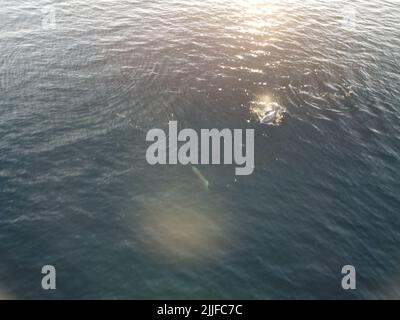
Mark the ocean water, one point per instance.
(81, 83)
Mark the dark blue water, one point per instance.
(79, 95)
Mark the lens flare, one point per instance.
(180, 233)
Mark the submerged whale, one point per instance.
(273, 114)
(269, 117)
(267, 111)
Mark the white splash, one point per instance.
(267, 111)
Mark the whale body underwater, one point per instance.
(270, 117)
(273, 115)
